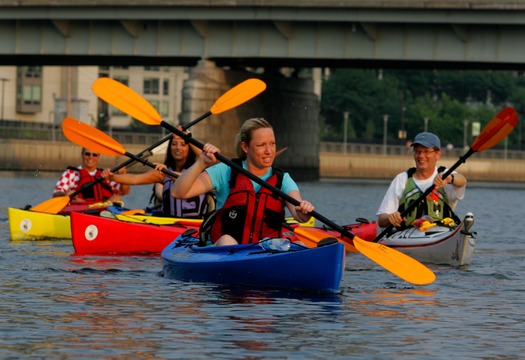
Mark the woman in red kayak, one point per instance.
(179, 157)
(246, 211)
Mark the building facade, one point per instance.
(48, 94)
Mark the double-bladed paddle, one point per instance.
(130, 102)
(135, 104)
(396, 262)
(495, 131)
(92, 138)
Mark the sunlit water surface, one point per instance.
(55, 305)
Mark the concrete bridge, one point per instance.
(265, 33)
(279, 41)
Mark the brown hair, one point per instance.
(245, 133)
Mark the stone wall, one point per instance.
(19, 155)
(29, 155)
(335, 165)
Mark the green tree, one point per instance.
(447, 98)
(365, 96)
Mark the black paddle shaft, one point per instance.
(239, 168)
(413, 204)
(132, 159)
(161, 141)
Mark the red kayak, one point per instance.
(96, 235)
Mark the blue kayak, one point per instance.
(299, 268)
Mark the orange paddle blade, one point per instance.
(90, 138)
(126, 100)
(52, 206)
(496, 130)
(396, 262)
(311, 237)
(133, 212)
(238, 95)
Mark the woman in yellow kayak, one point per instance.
(75, 178)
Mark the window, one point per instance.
(32, 95)
(165, 109)
(165, 87)
(29, 89)
(33, 72)
(151, 86)
(122, 79)
(155, 104)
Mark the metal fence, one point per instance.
(46, 132)
(379, 149)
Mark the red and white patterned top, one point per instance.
(70, 178)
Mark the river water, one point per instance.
(57, 306)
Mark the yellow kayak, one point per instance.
(34, 225)
(31, 225)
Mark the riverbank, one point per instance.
(19, 155)
(361, 166)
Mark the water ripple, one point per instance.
(55, 305)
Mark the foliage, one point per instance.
(450, 101)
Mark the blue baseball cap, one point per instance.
(428, 140)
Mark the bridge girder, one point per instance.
(263, 36)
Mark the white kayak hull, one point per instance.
(438, 244)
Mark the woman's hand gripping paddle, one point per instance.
(129, 99)
(495, 131)
(400, 264)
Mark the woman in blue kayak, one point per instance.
(179, 157)
(246, 211)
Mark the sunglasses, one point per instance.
(90, 154)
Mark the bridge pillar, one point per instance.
(289, 104)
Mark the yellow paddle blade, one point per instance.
(90, 138)
(310, 223)
(496, 130)
(238, 95)
(52, 206)
(396, 262)
(311, 237)
(126, 100)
